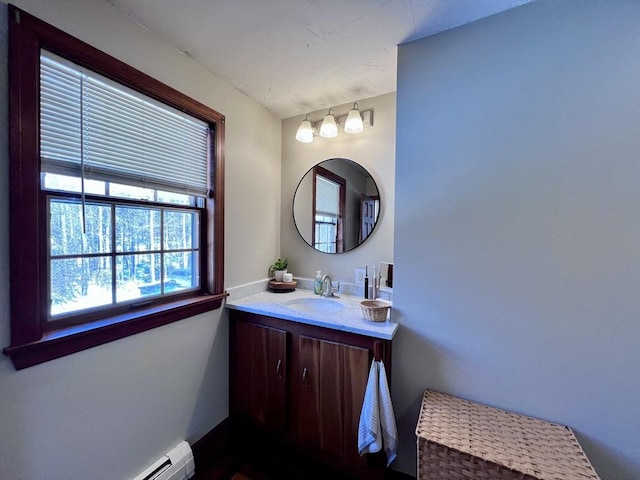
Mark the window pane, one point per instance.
(127, 191)
(65, 183)
(178, 230)
(182, 270)
(326, 233)
(138, 276)
(175, 198)
(80, 283)
(65, 228)
(68, 183)
(137, 229)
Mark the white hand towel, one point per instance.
(387, 417)
(369, 437)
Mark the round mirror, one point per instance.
(336, 206)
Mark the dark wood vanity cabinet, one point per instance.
(333, 379)
(303, 385)
(261, 374)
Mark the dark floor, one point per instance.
(244, 468)
(228, 453)
(259, 467)
(258, 471)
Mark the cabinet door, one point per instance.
(331, 385)
(261, 374)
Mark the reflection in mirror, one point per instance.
(336, 206)
(385, 277)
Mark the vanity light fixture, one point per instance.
(354, 122)
(329, 129)
(305, 131)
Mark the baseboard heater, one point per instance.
(176, 464)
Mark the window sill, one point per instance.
(65, 341)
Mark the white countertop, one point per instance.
(348, 319)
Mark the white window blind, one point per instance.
(93, 127)
(327, 196)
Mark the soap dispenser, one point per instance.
(317, 284)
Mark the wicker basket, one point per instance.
(458, 439)
(375, 310)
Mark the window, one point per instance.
(328, 211)
(118, 179)
(100, 136)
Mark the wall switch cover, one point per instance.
(360, 273)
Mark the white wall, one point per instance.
(517, 222)
(374, 149)
(108, 412)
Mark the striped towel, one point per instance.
(377, 422)
(387, 418)
(369, 437)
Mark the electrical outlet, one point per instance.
(360, 273)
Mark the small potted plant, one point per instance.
(279, 268)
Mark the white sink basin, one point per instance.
(314, 305)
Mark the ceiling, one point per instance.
(298, 56)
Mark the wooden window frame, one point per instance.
(33, 339)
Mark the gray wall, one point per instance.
(517, 222)
(108, 412)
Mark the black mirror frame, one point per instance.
(310, 172)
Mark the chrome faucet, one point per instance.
(327, 288)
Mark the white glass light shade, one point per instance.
(305, 131)
(354, 121)
(329, 129)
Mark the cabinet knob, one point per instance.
(305, 377)
(279, 368)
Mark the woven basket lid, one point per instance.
(527, 445)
